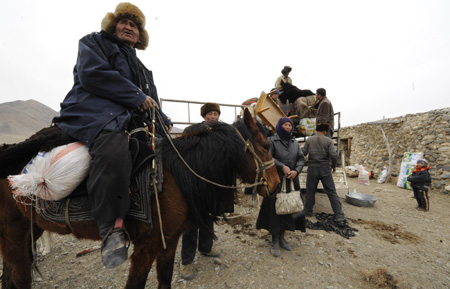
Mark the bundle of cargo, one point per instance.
(270, 112)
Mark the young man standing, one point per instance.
(322, 159)
(325, 112)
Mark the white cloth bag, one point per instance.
(53, 175)
(288, 203)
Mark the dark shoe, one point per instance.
(308, 214)
(283, 243)
(275, 249)
(339, 218)
(114, 249)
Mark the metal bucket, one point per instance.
(360, 199)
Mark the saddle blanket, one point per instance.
(77, 207)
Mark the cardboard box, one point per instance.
(268, 111)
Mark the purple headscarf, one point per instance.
(281, 132)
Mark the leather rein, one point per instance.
(261, 167)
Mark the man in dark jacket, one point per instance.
(110, 82)
(420, 182)
(199, 237)
(322, 159)
(325, 112)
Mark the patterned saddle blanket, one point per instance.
(77, 206)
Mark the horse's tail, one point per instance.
(13, 157)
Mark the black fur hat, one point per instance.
(209, 106)
(127, 10)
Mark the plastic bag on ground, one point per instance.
(383, 176)
(363, 176)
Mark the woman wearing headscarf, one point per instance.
(289, 161)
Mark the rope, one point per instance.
(163, 239)
(249, 146)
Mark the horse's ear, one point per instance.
(249, 120)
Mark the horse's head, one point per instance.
(258, 166)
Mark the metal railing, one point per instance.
(189, 102)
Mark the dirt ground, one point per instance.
(396, 246)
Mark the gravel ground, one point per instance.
(396, 246)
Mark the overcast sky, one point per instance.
(375, 58)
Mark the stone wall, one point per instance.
(424, 132)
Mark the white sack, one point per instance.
(53, 175)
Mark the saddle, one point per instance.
(77, 206)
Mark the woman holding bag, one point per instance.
(289, 161)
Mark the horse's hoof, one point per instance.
(114, 250)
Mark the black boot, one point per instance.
(283, 243)
(114, 245)
(275, 249)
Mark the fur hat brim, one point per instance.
(209, 106)
(127, 10)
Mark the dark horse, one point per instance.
(292, 92)
(219, 154)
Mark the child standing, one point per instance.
(420, 181)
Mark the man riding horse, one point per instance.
(110, 82)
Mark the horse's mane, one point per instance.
(215, 154)
(14, 157)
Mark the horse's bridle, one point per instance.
(261, 167)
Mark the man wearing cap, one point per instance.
(322, 160)
(110, 84)
(284, 77)
(325, 112)
(199, 237)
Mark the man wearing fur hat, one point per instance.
(199, 237)
(284, 77)
(110, 84)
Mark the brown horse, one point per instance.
(219, 154)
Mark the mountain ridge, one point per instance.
(20, 119)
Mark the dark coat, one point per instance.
(109, 83)
(289, 154)
(284, 154)
(325, 113)
(420, 180)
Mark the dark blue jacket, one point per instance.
(420, 180)
(109, 83)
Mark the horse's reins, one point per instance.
(261, 166)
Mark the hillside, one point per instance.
(20, 119)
